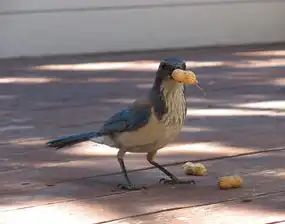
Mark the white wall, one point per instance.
(44, 27)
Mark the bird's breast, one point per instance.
(174, 119)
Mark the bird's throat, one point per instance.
(166, 95)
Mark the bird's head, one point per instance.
(172, 72)
(174, 69)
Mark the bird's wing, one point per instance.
(129, 119)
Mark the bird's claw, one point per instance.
(130, 187)
(175, 181)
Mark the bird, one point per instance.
(146, 125)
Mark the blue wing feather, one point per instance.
(128, 119)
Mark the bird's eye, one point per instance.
(162, 65)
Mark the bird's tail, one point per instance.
(72, 139)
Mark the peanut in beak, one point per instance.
(186, 77)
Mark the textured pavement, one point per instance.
(239, 128)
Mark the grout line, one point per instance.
(192, 206)
(66, 201)
(282, 148)
(276, 149)
(260, 195)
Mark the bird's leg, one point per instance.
(173, 179)
(128, 185)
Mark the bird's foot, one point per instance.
(130, 187)
(175, 181)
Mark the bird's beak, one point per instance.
(186, 77)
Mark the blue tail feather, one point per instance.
(71, 139)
